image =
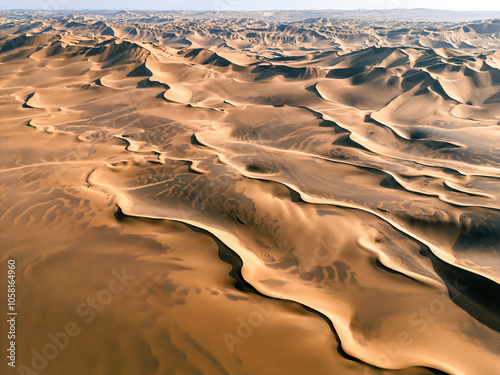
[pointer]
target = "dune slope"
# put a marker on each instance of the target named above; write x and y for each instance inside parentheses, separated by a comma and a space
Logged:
(310, 197)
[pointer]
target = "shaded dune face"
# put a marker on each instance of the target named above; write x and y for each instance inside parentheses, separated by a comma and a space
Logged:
(286, 199)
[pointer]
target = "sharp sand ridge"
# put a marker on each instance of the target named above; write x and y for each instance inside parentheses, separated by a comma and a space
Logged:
(201, 194)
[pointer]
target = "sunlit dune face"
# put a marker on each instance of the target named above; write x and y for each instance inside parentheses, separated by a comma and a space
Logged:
(243, 196)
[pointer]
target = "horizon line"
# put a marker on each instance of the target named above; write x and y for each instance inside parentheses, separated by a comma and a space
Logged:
(244, 10)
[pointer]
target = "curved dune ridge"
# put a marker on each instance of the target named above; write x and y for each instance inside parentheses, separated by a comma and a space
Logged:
(311, 197)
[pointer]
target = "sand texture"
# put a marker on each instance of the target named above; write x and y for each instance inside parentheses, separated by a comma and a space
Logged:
(248, 196)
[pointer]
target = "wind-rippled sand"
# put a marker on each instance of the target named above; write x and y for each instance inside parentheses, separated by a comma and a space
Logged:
(314, 197)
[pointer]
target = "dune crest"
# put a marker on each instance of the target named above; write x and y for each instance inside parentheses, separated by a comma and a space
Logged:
(315, 196)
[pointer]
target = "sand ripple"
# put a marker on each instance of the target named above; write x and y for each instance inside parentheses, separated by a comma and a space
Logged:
(347, 181)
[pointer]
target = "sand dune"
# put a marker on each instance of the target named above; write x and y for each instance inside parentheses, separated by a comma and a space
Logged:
(317, 196)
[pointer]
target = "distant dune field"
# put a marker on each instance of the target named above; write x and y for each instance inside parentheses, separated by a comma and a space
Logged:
(263, 194)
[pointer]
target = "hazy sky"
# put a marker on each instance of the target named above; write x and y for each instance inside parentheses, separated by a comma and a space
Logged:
(250, 4)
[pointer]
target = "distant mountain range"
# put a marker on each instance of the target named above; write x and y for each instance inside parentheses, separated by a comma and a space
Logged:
(416, 15)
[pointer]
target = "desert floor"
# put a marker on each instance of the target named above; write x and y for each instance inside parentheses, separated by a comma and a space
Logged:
(193, 195)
